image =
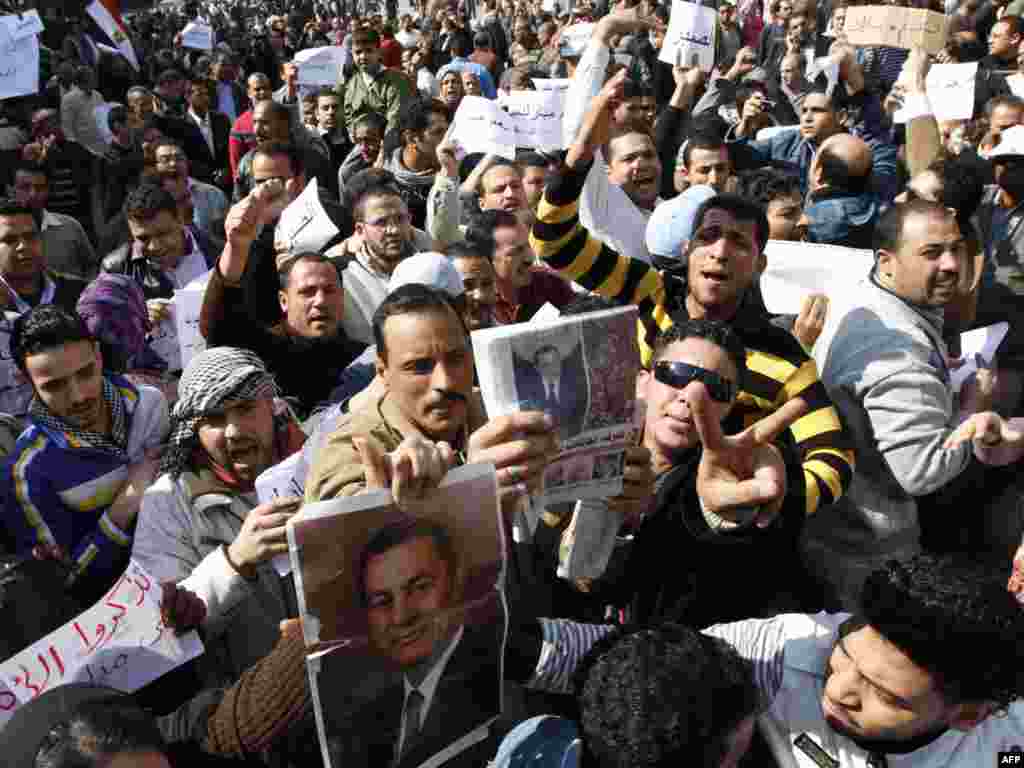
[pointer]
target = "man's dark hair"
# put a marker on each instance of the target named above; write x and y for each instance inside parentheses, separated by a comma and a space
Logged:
(836, 100)
(282, 149)
(401, 532)
(366, 34)
(203, 81)
(837, 173)
(588, 302)
(326, 92)
(169, 76)
(361, 182)
(460, 44)
(385, 189)
(10, 207)
(147, 200)
(962, 189)
(764, 185)
(635, 89)
(277, 111)
(501, 162)
(284, 272)
(719, 334)
(662, 696)
(117, 116)
(96, 731)
(955, 619)
(413, 298)
(482, 40)
(532, 160)
(372, 120)
(415, 116)
(168, 141)
(889, 229)
(741, 210)
(480, 231)
(706, 140)
(30, 167)
(464, 249)
(1008, 100)
(45, 327)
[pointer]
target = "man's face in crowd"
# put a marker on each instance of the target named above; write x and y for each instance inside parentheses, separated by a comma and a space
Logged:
(171, 162)
(408, 587)
(874, 691)
(785, 9)
(784, 218)
(512, 255)
(224, 71)
(533, 185)
(470, 83)
(69, 381)
(426, 141)
(723, 258)
(368, 138)
(161, 239)
(709, 166)
(428, 370)
(365, 53)
(313, 303)
(795, 32)
(386, 229)
(818, 120)
(141, 105)
(259, 88)
(267, 168)
(327, 108)
(1005, 116)
(790, 71)
(21, 250)
(635, 167)
(151, 137)
(266, 125)
(46, 125)
(451, 89)
(31, 189)
(519, 80)
(669, 428)
(926, 268)
(726, 15)
(502, 188)
(481, 294)
(199, 98)
(1002, 43)
(637, 112)
(240, 438)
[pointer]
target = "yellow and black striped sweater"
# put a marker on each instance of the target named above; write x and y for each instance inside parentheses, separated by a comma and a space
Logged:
(778, 369)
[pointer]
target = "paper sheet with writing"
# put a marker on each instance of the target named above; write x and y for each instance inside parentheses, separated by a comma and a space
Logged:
(582, 371)
(797, 269)
(980, 341)
(321, 66)
(573, 40)
(895, 26)
(276, 482)
(950, 89)
(19, 55)
(121, 642)
(537, 118)
(690, 39)
(480, 125)
(304, 225)
(551, 83)
(197, 35)
(188, 303)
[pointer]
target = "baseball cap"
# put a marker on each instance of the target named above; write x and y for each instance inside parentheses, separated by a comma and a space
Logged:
(671, 224)
(428, 268)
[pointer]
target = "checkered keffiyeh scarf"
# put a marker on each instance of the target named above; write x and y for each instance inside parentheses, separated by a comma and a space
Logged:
(214, 380)
(116, 443)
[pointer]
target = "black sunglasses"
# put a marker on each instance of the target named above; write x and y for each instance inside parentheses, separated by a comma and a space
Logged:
(678, 375)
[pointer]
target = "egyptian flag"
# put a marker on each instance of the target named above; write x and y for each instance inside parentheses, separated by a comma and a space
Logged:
(107, 15)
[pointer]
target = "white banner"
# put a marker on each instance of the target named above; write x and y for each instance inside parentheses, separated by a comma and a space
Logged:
(321, 66)
(197, 35)
(690, 39)
(797, 269)
(19, 55)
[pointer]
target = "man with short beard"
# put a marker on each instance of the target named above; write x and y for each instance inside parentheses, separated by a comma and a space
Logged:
(328, 121)
(422, 125)
(307, 351)
(77, 473)
(199, 203)
(199, 522)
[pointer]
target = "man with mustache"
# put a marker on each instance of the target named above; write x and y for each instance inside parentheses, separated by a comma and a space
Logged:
(883, 359)
(307, 351)
(200, 203)
(77, 474)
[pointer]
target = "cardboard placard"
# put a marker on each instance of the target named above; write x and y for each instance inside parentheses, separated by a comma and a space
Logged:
(895, 26)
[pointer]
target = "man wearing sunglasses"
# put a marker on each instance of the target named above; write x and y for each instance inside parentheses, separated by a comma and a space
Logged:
(724, 257)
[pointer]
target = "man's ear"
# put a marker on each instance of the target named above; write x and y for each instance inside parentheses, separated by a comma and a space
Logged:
(380, 364)
(968, 716)
(884, 259)
(643, 379)
(282, 300)
(761, 262)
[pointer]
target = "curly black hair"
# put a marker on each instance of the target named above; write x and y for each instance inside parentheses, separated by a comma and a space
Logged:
(662, 696)
(956, 620)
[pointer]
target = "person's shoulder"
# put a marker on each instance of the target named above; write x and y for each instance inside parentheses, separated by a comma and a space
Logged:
(117, 260)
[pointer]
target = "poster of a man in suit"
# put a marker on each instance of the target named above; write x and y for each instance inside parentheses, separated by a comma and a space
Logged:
(555, 382)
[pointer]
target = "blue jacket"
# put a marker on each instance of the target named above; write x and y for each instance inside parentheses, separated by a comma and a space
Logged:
(842, 218)
(59, 492)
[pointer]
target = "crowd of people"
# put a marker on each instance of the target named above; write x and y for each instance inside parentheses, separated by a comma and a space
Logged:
(816, 556)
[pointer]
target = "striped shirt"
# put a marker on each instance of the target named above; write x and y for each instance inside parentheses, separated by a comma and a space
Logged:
(777, 368)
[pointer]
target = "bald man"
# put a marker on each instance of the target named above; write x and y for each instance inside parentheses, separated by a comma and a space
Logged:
(842, 207)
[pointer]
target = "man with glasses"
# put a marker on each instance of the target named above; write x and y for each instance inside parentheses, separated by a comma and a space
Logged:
(202, 204)
(25, 283)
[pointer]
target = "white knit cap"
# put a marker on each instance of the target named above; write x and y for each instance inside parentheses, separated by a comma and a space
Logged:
(428, 268)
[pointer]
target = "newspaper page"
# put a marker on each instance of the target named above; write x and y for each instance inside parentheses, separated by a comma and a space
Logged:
(580, 369)
(393, 600)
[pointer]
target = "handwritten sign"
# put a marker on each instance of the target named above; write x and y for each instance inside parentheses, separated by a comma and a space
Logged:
(321, 66)
(980, 341)
(481, 125)
(304, 226)
(551, 83)
(573, 40)
(279, 481)
(188, 304)
(19, 57)
(537, 118)
(690, 39)
(197, 35)
(121, 642)
(950, 89)
(895, 26)
(797, 269)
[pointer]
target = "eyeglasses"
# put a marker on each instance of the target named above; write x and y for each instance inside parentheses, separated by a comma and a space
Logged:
(678, 375)
(170, 159)
(390, 222)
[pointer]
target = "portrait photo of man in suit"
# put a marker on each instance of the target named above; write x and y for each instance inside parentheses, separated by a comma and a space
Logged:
(556, 383)
(445, 655)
